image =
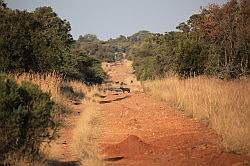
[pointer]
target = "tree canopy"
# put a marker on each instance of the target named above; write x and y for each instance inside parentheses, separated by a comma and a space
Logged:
(40, 41)
(213, 42)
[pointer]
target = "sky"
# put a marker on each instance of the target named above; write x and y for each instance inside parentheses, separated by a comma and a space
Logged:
(111, 18)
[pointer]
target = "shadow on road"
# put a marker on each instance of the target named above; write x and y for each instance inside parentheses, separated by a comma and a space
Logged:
(109, 101)
(121, 98)
(60, 163)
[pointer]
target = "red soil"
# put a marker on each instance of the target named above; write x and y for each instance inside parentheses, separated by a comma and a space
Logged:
(131, 146)
(146, 131)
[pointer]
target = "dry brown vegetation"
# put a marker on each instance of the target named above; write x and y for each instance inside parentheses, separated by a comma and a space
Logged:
(224, 105)
(86, 133)
(52, 82)
(48, 83)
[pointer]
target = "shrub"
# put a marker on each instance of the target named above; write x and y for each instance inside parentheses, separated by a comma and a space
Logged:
(26, 119)
(40, 42)
(191, 58)
(84, 68)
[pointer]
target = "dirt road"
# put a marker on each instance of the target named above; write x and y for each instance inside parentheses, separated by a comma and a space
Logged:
(144, 131)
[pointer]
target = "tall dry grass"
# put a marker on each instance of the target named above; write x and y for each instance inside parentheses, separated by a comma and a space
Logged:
(91, 92)
(48, 83)
(87, 134)
(52, 82)
(225, 105)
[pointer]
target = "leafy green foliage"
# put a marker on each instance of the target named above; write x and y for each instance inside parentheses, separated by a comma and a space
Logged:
(109, 51)
(191, 58)
(148, 69)
(2, 4)
(40, 41)
(226, 28)
(84, 68)
(33, 41)
(214, 42)
(93, 47)
(26, 118)
(155, 56)
(139, 36)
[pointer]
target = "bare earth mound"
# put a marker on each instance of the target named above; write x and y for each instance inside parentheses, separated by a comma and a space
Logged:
(129, 147)
(142, 131)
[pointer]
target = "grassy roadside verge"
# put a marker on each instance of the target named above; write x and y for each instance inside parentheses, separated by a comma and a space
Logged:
(224, 105)
(87, 134)
(66, 94)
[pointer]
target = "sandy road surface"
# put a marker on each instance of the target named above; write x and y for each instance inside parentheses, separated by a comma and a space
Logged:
(144, 131)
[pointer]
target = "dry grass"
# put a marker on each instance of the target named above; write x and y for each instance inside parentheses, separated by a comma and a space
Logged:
(91, 92)
(48, 83)
(24, 162)
(225, 105)
(87, 134)
(87, 131)
(52, 82)
(79, 86)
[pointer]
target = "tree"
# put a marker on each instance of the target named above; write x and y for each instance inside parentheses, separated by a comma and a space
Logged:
(33, 41)
(88, 38)
(40, 41)
(191, 58)
(226, 27)
(139, 36)
(183, 27)
(3, 4)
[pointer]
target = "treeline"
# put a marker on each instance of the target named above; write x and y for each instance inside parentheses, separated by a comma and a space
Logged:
(214, 42)
(109, 51)
(41, 42)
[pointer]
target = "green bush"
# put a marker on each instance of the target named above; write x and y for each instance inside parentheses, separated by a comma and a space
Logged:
(148, 69)
(191, 58)
(26, 119)
(41, 42)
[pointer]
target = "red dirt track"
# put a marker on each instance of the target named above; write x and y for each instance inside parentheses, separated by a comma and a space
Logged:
(145, 131)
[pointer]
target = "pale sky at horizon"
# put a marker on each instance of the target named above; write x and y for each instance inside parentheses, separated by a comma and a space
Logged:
(111, 18)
